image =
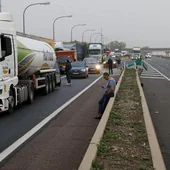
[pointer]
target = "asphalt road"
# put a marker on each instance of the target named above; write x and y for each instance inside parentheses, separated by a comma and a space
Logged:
(63, 142)
(13, 126)
(157, 93)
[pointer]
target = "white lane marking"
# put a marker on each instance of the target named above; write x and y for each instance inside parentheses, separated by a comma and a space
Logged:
(35, 129)
(158, 71)
(153, 75)
(144, 77)
(63, 77)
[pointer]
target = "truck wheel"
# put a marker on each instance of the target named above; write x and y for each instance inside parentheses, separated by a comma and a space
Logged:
(50, 84)
(11, 102)
(46, 88)
(31, 94)
(53, 83)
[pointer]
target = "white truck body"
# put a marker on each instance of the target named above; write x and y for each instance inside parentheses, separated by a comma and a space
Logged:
(34, 55)
(96, 51)
(25, 65)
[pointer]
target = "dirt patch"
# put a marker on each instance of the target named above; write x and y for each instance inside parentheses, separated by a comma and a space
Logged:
(124, 145)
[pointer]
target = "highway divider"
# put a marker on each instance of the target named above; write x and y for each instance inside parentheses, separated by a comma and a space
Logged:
(91, 152)
(142, 134)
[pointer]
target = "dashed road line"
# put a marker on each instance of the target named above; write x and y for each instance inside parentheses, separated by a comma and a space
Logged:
(158, 71)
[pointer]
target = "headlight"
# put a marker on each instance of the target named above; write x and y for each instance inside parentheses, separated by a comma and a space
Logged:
(83, 69)
(98, 67)
(104, 62)
(114, 62)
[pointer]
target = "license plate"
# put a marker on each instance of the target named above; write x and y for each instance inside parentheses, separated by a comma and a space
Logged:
(75, 73)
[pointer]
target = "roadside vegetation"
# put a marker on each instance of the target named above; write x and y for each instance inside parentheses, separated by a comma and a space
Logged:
(124, 145)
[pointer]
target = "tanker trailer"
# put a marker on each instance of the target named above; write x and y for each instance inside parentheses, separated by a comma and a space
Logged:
(26, 65)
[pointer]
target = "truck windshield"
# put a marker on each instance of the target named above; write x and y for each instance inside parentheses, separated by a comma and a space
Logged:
(63, 59)
(96, 52)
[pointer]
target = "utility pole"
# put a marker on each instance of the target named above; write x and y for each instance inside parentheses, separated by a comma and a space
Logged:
(101, 36)
(0, 5)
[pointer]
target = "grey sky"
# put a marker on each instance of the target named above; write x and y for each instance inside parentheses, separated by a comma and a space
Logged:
(137, 22)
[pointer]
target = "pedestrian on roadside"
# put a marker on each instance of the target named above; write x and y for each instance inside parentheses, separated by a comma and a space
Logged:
(109, 92)
(68, 72)
(110, 65)
(118, 63)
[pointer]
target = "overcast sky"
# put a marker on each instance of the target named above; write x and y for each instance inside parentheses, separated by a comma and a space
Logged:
(136, 22)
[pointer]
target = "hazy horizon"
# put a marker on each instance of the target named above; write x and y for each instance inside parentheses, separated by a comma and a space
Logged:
(137, 23)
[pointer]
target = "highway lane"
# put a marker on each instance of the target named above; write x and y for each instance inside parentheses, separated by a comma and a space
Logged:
(61, 144)
(25, 117)
(157, 93)
(163, 65)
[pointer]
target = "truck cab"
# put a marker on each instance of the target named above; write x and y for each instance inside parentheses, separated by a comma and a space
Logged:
(26, 65)
(8, 60)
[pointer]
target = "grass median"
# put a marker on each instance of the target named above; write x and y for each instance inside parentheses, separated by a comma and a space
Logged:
(124, 145)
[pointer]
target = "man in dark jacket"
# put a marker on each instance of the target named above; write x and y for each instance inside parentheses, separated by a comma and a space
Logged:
(68, 72)
(110, 65)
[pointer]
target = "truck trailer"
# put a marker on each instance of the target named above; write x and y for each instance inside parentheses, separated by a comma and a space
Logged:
(26, 65)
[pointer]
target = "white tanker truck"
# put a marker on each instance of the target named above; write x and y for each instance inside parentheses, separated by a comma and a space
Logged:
(25, 66)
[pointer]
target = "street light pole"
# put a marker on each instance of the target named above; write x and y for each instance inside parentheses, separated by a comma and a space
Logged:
(101, 35)
(92, 35)
(68, 16)
(97, 38)
(84, 33)
(73, 28)
(45, 3)
(0, 6)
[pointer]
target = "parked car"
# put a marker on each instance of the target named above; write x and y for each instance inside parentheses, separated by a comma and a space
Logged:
(105, 63)
(147, 56)
(93, 65)
(79, 69)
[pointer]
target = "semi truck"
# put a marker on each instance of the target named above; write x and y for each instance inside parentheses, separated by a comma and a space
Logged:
(136, 53)
(26, 65)
(96, 50)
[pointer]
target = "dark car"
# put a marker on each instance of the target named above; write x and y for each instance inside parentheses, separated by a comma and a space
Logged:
(105, 63)
(79, 70)
(93, 65)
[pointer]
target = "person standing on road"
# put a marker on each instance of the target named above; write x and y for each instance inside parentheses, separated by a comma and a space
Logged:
(68, 72)
(110, 65)
(109, 92)
(118, 63)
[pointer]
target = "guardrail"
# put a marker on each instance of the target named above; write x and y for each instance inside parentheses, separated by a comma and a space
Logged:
(135, 64)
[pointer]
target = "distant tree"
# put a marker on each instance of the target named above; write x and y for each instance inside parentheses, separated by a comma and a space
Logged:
(117, 45)
(85, 49)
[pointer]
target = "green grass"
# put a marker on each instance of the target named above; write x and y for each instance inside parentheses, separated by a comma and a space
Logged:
(124, 145)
